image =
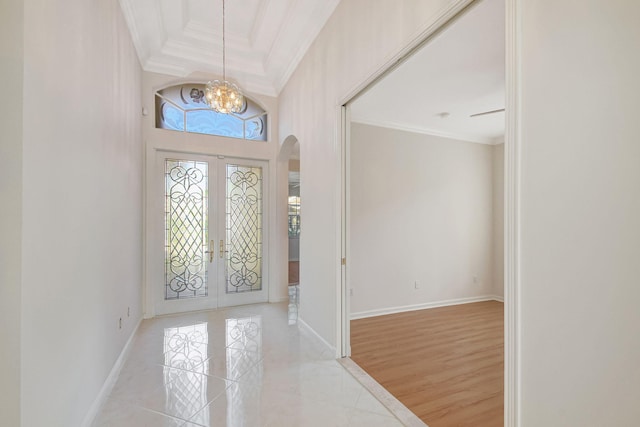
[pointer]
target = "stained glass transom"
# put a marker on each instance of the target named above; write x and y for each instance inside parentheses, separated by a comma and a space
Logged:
(185, 229)
(243, 228)
(182, 108)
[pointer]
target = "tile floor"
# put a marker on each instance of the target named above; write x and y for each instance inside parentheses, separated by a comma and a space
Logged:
(241, 367)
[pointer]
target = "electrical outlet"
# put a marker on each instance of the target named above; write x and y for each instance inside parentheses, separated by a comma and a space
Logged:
(416, 285)
(120, 323)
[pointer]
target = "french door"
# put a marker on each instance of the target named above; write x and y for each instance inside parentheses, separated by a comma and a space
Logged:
(213, 249)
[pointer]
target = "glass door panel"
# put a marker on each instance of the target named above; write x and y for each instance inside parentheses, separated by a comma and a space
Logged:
(186, 233)
(244, 274)
(243, 229)
(208, 200)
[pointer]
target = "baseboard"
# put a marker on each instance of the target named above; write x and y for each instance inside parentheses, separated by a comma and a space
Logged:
(423, 306)
(498, 298)
(278, 299)
(110, 381)
(305, 326)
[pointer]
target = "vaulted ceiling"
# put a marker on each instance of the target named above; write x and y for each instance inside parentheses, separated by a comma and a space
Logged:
(265, 39)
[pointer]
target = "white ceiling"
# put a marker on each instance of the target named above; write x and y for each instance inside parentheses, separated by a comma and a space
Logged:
(265, 39)
(460, 72)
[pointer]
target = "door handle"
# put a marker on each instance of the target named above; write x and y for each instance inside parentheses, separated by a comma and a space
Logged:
(222, 251)
(210, 251)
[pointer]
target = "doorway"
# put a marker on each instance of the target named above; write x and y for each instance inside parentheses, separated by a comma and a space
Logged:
(293, 230)
(293, 215)
(211, 216)
(425, 179)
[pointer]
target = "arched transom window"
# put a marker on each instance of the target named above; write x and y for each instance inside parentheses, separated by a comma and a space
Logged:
(182, 108)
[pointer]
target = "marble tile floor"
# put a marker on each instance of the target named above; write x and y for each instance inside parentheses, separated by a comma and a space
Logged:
(238, 367)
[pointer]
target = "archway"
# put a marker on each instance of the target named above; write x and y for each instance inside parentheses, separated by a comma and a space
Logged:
(289, 223)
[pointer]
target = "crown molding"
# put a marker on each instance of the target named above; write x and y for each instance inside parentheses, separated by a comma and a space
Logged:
(324, 9)
(427, 131)
(129, 17)
(262, 56)
(162, 67)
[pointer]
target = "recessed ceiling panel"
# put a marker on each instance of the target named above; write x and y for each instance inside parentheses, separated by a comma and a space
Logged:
(265, 39)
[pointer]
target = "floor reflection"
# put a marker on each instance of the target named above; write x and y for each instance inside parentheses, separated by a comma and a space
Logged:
(294, 301)
(235, 367)
(185, 350)
(244, 357)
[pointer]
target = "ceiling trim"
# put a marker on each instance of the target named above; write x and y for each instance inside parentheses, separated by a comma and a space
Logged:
(129, 17)
(155, 66)
(431, 132)
(325, 8)
(262, 56)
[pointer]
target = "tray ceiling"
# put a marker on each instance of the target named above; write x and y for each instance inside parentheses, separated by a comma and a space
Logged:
(265, 39)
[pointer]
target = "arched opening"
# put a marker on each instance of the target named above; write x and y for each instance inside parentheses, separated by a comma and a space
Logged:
(290, 206)
(182, 108)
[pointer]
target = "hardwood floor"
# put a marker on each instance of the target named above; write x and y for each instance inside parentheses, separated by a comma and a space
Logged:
(444, 364)
(294, 273)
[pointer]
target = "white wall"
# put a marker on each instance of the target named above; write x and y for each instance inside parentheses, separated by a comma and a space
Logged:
(11, 59)
(358, 41)
(421, 210)
(498, 220)
(82, 204)
(580, 206)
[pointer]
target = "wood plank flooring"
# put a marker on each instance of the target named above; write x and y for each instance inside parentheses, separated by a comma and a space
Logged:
(445, 364)
(294, 272)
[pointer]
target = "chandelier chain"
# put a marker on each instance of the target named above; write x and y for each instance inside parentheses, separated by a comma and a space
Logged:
(224, 49)
(222, 96)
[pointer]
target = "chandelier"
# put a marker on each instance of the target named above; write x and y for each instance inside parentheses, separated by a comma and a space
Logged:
(222, 96)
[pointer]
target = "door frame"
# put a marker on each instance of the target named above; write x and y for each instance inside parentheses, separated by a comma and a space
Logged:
(513, 143)
(153, 240)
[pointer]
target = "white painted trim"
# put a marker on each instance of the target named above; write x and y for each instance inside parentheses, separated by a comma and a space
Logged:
(340, 130)
(512, 215)
(497, 298)
(324, 8)
(276, 300)
(129, 16)
(345, 297)
(401, 412)
(305, 327)
(423, 306)
(432, 132)
(105, 391)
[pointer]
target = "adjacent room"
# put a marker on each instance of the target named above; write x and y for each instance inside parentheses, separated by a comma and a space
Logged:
(426, 179)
